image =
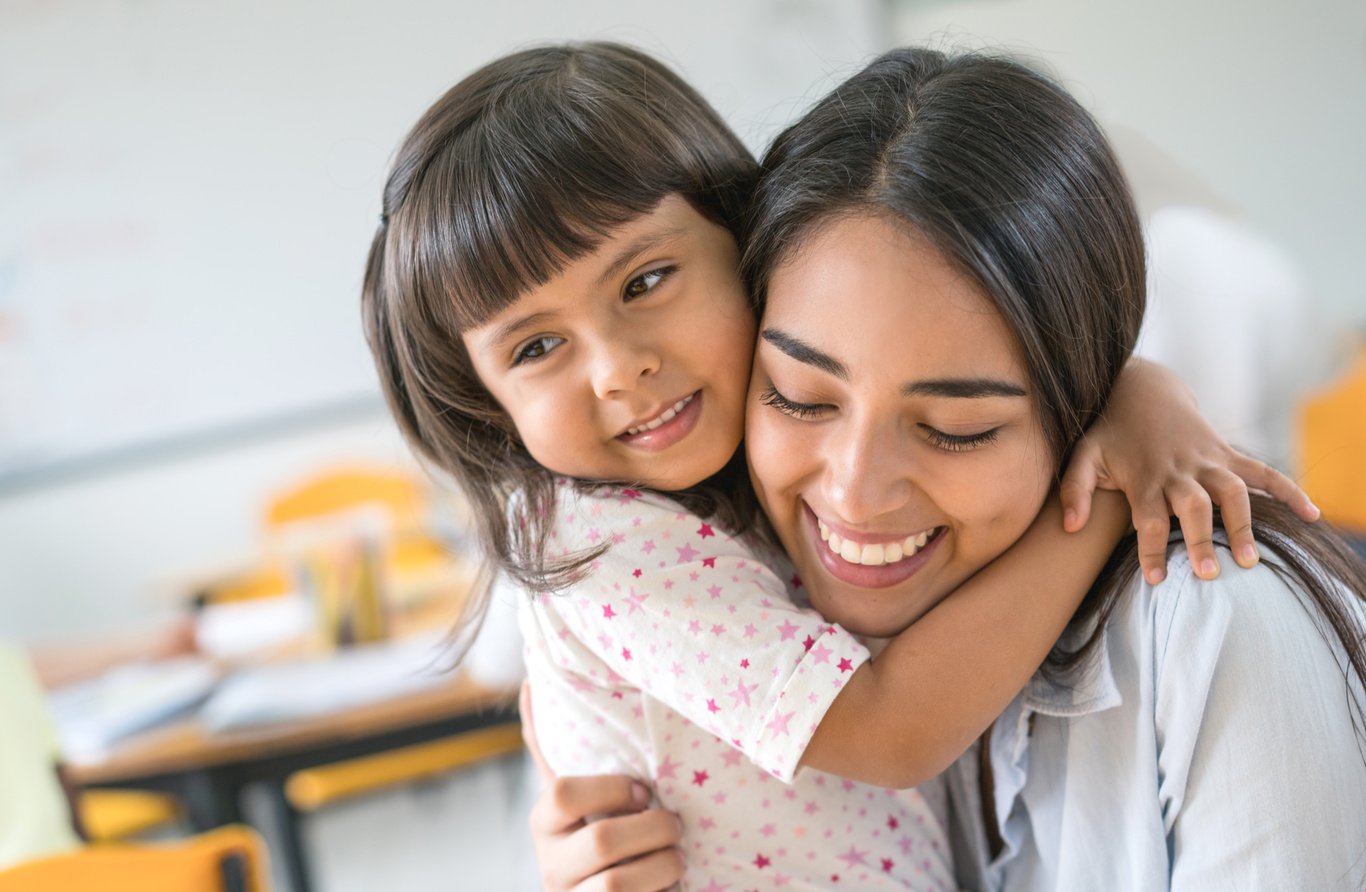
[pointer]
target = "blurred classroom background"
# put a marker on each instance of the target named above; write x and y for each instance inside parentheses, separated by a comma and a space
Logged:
(187, 407)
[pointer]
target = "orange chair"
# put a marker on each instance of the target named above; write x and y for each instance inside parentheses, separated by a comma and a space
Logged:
(1332, 449)
(229, 859)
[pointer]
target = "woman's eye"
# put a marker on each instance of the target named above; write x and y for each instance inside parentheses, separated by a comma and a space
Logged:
(771, 397)
(645, 282)
(959, 442)
(535, 349)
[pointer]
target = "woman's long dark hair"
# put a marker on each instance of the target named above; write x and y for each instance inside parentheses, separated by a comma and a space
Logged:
(1015, 184)
(518, 170)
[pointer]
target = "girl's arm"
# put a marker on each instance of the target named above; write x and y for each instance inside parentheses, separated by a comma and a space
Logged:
(904, 716)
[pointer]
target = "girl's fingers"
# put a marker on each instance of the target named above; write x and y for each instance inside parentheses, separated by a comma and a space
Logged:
(1194, 508)
(1152, 522)
(1260, 475)
(529, 735)
(604, 844)
(655, 872)
(1078, 482)
(1230, 493)
(568, 801)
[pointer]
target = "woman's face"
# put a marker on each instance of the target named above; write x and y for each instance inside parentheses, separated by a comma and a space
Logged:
(892, 435)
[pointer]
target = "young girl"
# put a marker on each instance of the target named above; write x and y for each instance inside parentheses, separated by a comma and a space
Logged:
(554, 307)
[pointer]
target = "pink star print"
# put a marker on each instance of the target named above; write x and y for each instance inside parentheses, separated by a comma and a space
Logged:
(608, 612)
(892, 822)
(853, 857)
(700, 777)
(779, 723)
(625, 653)
(845, 665)
(686, 553)
(709, 562)
(742, 692)
(788, 630)
(821, 654)
(761, 862)
(666, 769)
(704, 531)
(712, 707)
(887, 865)
(808, 642)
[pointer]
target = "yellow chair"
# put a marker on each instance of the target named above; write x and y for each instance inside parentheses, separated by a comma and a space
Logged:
(1332, 449)
(113, 815)
(312, 788)
(229, 859)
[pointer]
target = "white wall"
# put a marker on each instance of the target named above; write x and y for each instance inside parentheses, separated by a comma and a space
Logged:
(1263, 100)
(250, 142)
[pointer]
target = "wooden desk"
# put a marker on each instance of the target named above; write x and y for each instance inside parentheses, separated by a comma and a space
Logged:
(209, 771)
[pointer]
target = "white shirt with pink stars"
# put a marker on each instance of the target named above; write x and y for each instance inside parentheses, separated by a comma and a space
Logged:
(682, 659)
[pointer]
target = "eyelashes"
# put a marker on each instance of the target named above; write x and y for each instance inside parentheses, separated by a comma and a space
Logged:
(959, 442)
(771, 397)
(937, 438)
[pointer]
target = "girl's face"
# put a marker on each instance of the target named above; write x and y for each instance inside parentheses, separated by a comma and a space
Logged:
(631, 364)
(892, 435)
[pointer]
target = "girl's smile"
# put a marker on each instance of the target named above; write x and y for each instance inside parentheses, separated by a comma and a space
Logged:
(631, 363)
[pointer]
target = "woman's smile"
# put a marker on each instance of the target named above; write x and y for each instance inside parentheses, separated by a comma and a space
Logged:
(893, 463)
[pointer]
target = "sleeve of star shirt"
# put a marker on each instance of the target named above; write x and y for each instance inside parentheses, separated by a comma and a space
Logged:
(678, 609)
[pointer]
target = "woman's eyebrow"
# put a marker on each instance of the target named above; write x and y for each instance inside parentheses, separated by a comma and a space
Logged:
(963, 388)
(805, 353)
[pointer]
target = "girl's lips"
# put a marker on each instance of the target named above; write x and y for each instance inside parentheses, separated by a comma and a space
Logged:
(865, 576)
(671, 431)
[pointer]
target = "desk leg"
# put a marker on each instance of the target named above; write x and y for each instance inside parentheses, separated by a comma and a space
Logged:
(211, 801)
(286, 822)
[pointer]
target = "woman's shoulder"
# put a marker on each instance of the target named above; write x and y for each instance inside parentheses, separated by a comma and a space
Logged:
(1259, 620)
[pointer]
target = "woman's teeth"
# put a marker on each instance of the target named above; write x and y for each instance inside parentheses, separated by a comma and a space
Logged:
(666, 416)
(873, 555)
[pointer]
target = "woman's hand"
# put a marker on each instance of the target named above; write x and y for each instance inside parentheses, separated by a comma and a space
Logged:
(626, 847)
(1155, 447)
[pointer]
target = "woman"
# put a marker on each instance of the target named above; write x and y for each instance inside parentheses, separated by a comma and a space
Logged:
(953, 275)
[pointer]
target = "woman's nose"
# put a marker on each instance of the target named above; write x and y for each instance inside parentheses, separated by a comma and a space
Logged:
(869, 472)
(619, 363)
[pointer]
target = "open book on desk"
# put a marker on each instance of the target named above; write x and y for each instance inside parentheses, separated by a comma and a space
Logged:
(93, 716)
(350, 677)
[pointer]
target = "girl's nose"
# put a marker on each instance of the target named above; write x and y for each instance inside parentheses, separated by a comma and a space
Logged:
(620, 364)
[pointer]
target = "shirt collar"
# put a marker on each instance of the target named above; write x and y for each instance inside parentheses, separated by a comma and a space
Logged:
(1087, 689)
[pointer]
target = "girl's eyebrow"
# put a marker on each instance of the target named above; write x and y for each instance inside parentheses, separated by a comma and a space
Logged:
(951, 388)
(515, 326)
(635, 248)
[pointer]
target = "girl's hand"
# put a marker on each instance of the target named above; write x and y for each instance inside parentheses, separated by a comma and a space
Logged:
(1155, 447)
(632, 848)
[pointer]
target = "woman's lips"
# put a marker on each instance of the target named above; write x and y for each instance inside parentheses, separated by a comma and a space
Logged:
(670, 428)
(883, 569)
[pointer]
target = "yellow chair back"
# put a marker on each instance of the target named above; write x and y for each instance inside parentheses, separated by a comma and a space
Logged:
(229, 859)
(1332, 449)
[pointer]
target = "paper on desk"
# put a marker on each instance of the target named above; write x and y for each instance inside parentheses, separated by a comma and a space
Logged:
(353, 676)
(92, 716)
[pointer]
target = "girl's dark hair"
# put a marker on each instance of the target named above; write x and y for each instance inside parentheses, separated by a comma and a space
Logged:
(519, 169)
(1015, 184)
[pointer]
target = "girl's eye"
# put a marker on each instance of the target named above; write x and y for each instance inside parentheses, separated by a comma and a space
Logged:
(535, 349)
(959, 442)
(644, 283)
(771, 397)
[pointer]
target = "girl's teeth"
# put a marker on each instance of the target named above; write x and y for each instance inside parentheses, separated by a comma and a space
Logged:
(872, 555)
(666, 417)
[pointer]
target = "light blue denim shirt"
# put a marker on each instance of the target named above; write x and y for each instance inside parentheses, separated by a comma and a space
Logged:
(1210, 746)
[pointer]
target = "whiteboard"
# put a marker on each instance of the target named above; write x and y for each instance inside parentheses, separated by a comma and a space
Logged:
(188, 190)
